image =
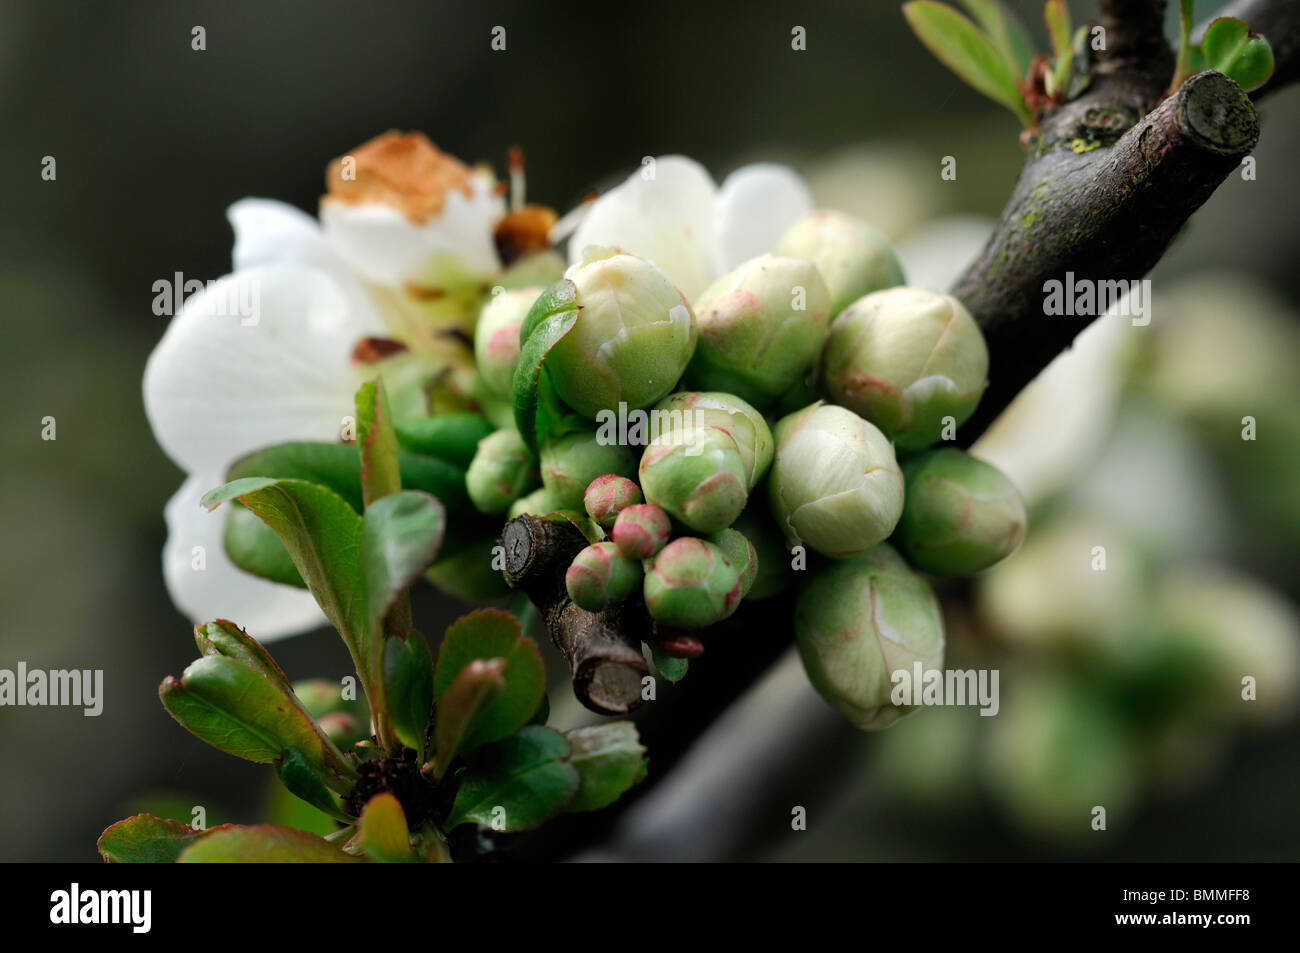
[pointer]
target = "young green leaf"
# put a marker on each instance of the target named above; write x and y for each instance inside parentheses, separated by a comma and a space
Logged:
(1242, 56)
(960, 46)
(610, 759)
(384, 834)
(377, 441)
(517, 783)
(254, 548)
(322, 535)
(304, 781)
(223, 637)
(236, 844)
(400, 537)
(452, 437)
(493, 634)
(145, 839)
(238, 711)
(408, 687)
(462, 705)
(1057, 17)
(537, 409)
(1007, 36)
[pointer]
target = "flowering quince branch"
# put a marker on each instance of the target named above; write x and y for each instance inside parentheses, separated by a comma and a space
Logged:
(791, 390)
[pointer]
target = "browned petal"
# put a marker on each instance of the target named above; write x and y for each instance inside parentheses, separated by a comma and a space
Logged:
(404, 170)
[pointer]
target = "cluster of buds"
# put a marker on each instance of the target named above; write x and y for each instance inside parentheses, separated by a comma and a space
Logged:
(815, 369)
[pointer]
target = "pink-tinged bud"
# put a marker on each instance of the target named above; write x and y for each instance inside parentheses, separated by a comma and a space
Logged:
(640, 531)
(692, 584)
(601, 576)
(609, 495)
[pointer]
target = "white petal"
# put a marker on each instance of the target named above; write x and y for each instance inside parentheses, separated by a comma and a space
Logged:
(216, 387)
(386, 247)
(219, 590)
(267, 231)
(757, 204)
(663, 213)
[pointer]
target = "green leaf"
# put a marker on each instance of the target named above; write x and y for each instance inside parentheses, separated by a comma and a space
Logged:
(610, 759)
(517, 783)
(322, 535)
(254, 548)
(298, 775)
(960, 46)
(452, 437)
(1230, 48)
(1007, 36)
(384, 833)
(462, 706)
(238, 711)
(377, 441)
(145, 839)
(238, 844)
(1057, 17)
(408, 686)
(493, 634)
(223, 637)
(669, 666)
(400, 537)
(335, 465)
(538, 410)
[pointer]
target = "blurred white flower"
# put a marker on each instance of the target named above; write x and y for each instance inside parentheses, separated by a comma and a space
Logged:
(672, 213)
(221, 384)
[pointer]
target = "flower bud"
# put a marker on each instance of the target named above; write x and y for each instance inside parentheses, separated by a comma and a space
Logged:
(761, 329)
(501, 471)
(835, 484)
(571, 462)
(709, 452)
(691, 584)
(905, 359)
(960, 514)
(607, 496)
(740, 553)
(632, 339)
(600, 576)
(496, 337)
(538, 503)
(641, 531)
(852, 257)
(859, 621)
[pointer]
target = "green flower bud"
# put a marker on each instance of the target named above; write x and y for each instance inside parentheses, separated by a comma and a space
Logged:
(641, 531)
(691, 584)
(960, 514)
(905, 359)
(835, 484)
(538, 503)
(571, 462)
(852, 257)
(600, 576)
(609, 495)
(496, 337)
(859, 621)
(502, 470)
(761, 329)
(740, 553)
(710, 451)
(632, 339)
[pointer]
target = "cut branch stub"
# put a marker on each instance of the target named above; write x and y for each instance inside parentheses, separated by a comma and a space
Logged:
(603, 649)
(1100, 206)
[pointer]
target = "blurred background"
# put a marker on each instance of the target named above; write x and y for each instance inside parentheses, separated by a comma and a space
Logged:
(1119, 688)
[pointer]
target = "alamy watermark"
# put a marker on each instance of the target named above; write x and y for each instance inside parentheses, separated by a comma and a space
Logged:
(637, 428)
(1087, 298)
(56, 688)
(920, 686)
(237, 297)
